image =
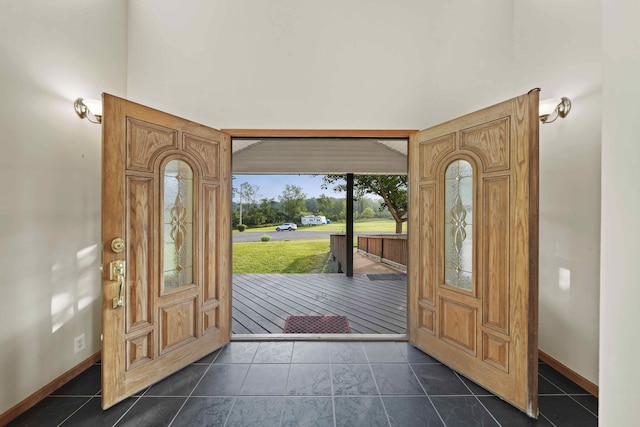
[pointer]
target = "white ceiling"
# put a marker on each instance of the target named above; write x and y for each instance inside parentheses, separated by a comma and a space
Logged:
(319, 156)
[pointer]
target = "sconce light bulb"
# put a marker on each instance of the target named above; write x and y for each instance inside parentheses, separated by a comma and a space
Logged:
(91, 109)
(551, 109)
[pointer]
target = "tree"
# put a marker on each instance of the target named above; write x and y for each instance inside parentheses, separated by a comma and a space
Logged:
(325, 205)
(367, 213)
(392, 189)
(268, 208)
(292, 201)
(247, 193)
(312, 205)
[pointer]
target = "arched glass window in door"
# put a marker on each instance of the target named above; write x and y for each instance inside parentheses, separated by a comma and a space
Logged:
(458, 236)
(177, 225)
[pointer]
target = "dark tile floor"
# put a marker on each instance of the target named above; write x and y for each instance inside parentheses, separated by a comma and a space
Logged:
(312, 384)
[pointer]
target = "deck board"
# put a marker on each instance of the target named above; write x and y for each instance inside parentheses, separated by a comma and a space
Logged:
(355, 309)
(340, 292)
(370, 294)
(262, 302)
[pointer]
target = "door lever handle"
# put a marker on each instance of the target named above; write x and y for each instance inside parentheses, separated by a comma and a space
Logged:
(117, 272)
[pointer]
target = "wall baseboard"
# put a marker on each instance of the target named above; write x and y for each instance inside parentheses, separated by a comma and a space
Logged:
(45, 391)
(569, 373)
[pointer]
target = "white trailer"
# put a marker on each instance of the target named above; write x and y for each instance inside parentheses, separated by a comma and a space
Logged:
(314, 220)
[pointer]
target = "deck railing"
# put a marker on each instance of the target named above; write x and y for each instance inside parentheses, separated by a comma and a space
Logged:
(338, 247)
(390, 249)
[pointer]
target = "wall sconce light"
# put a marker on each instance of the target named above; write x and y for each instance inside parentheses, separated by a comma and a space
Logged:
(91, 109)
(551, 109)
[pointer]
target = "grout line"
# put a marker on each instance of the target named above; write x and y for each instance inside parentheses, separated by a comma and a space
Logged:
(427, 394)
(286, 386)
(235, 398)
(564, 393)
(578, 402)
(254, 357)
(233, 404)
(546, 418)
(80, 407)
(66, 396)
(570, 396)
(191, 393)
(222, 396)
(476, 397)
(375, 382)
(333, 396)
(129, 409)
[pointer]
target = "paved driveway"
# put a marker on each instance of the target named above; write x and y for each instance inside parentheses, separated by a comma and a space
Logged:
(281, 235)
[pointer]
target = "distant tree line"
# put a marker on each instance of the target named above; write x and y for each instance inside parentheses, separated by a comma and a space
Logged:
(251, 210)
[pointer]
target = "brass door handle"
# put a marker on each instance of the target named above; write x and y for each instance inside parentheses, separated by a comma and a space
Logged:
(117, 272)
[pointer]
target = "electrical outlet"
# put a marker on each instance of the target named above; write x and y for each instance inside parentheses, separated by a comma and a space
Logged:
(79, 343)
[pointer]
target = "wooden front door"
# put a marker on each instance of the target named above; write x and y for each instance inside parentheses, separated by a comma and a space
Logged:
(473, 247)
(166, 234)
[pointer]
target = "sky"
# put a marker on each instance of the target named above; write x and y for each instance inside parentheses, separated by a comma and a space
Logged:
(272, 186)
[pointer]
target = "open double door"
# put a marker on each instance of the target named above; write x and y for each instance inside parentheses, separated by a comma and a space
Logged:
(166, 232)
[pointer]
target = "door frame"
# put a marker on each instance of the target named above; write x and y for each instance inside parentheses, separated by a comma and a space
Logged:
(321, 133)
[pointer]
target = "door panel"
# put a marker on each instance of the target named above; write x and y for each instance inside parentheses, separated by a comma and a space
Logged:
(473, 247)
(166, 192)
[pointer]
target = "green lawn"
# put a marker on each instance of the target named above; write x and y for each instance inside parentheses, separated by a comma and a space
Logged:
(296, 256)
(281, 256)
(376, 225)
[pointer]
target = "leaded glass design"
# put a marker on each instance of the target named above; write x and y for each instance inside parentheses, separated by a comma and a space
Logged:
(178, 225)
(458, 236)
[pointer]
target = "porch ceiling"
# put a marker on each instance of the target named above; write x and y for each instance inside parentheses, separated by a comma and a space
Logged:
(319, 156)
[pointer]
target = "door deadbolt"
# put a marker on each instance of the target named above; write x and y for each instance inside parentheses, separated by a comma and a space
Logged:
(117, 245)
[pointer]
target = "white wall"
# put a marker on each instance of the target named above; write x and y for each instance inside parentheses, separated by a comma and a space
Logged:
(558, 48)
(51, 53)
(329, 64)
(620, 293)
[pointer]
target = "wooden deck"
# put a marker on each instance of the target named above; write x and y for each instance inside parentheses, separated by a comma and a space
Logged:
(262, 302)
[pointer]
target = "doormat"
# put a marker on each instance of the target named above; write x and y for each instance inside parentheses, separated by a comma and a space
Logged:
(317, 325)
(384, 276)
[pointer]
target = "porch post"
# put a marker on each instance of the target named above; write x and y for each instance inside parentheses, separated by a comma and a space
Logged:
(349, 248)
